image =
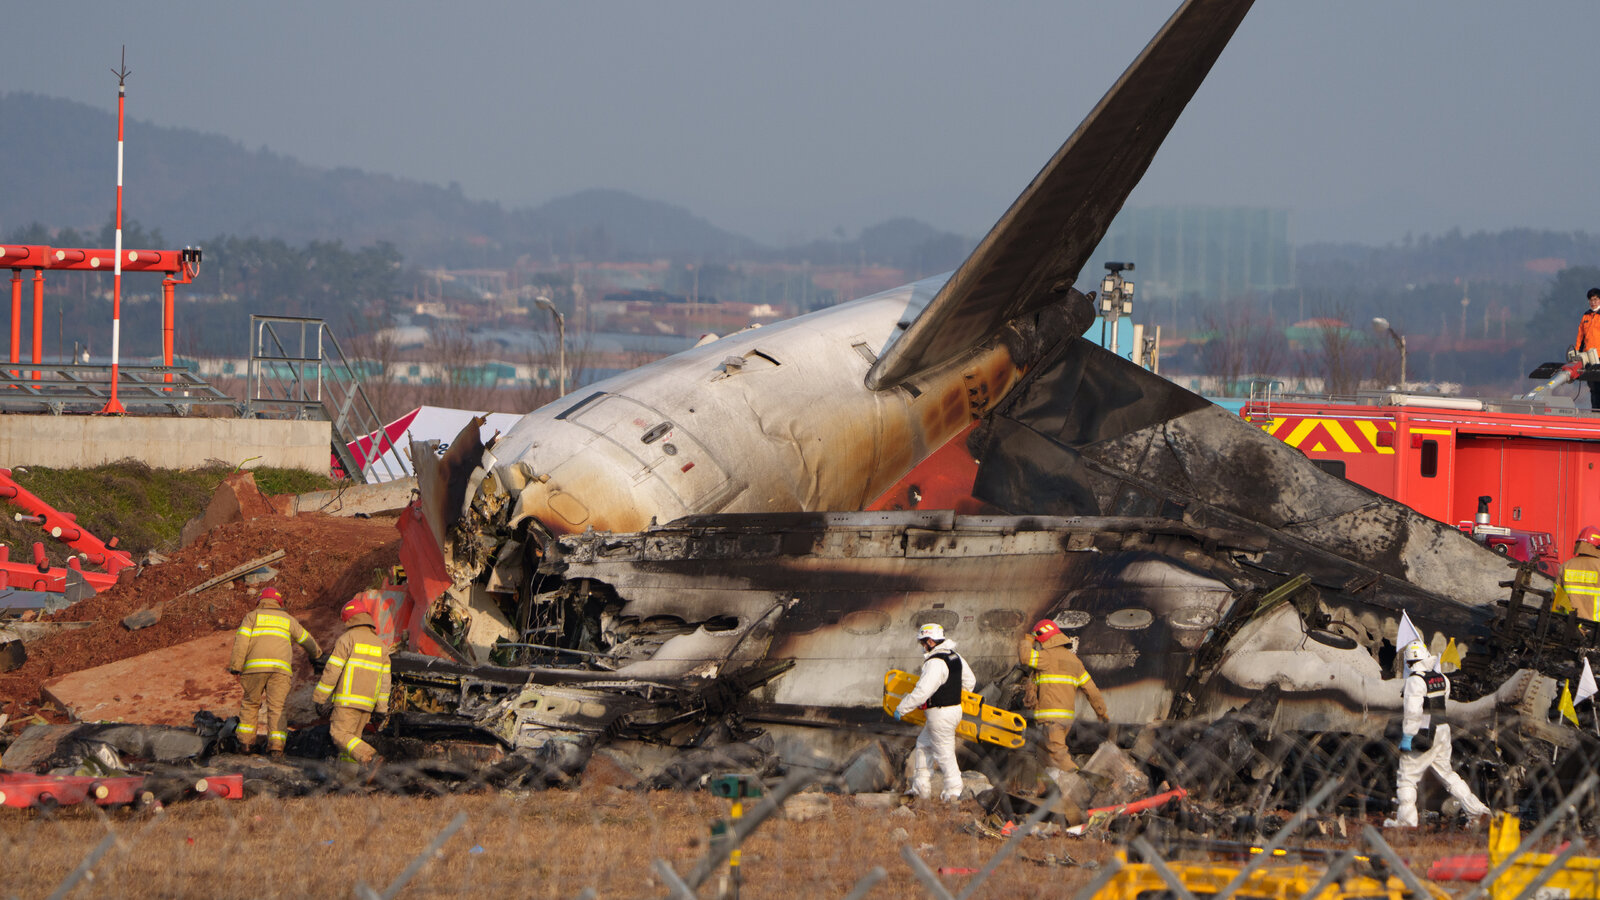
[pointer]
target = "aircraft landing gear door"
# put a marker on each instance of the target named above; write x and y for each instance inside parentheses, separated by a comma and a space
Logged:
(665, 451)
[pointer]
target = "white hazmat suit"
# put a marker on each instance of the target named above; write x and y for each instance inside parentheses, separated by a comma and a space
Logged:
(938, 737)
(1422, 695)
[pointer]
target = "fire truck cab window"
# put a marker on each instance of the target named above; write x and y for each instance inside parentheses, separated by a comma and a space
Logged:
(1430, 459)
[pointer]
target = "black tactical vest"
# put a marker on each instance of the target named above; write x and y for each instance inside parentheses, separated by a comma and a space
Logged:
(1437, 689)
(949, 693)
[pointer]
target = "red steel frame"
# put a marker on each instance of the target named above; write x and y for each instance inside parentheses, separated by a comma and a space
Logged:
(39, 575)
(180, 267)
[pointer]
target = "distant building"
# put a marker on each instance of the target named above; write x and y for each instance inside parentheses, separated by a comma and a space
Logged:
(1212, 252)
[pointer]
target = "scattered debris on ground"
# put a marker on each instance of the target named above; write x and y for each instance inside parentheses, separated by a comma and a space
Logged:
(325, 561)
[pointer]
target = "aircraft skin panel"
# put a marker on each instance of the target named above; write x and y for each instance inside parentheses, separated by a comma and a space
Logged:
(1036, 250)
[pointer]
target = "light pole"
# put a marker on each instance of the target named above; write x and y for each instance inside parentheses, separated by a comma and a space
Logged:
(1380, 325)
(1116, 297)
(561, 338)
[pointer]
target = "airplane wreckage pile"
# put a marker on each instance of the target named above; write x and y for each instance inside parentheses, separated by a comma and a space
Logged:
(711, 562)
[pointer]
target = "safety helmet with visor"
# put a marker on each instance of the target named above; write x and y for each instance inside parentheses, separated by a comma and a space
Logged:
(932, 631)
(1416, 652)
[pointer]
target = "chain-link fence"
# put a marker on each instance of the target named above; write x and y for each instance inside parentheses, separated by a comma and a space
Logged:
(1281, 815)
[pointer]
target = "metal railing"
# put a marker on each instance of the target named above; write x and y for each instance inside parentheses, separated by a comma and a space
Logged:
(61, 388)
(297, 369)
(1259, 407)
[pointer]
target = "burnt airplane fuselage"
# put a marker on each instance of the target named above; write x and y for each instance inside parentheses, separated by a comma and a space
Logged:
(1199, 559)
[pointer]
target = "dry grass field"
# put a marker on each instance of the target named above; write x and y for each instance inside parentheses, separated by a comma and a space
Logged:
(551, 844)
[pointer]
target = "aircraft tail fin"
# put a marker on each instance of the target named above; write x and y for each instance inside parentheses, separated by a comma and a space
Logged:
(1030, 257)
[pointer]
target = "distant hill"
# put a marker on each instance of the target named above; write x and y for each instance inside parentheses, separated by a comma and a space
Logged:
(195, 186)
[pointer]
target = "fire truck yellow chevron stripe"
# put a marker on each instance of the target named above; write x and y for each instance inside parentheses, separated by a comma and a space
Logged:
(1332, 427)
(1324, 435)
(1369, 428)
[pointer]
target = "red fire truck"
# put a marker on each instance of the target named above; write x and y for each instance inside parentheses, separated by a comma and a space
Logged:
(1520, 476)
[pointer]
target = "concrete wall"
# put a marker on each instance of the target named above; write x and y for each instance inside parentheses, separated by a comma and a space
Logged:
(75, 442)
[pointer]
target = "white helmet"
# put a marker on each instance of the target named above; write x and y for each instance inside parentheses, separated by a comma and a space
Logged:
(1416, 652)
(932, 631)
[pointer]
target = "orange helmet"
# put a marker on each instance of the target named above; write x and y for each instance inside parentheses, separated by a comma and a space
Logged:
(271, 593)
(1589, 534)
(1045, 629)
(356, 607)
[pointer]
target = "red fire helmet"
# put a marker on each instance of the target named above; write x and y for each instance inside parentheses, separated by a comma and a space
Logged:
(1045, 629)
(355, 607)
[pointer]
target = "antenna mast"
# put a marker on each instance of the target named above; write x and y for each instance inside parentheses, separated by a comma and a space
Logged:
(113, 407)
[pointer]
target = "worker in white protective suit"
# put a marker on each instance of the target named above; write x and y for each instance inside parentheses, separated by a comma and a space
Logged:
(1424, 742)
(944, 676)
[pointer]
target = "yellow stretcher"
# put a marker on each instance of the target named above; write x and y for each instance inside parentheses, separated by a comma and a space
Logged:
(980, 722)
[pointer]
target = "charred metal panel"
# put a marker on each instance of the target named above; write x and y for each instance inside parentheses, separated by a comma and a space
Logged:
(1143, 596)
(1089, 432)
(444, 484)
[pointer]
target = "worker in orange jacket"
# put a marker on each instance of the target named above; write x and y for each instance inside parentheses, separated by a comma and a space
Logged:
(1053, 691)
(1589, 339)
(263, 658)
(355, 683)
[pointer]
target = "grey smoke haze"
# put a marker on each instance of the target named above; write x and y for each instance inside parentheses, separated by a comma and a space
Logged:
(1368, 119)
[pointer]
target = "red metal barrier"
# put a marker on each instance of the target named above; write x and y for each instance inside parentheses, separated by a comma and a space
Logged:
(39, 576)
(64, 527)
(226, 787)
(23, 790)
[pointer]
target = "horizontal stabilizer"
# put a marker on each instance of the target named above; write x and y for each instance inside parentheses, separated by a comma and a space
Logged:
(1030, 257)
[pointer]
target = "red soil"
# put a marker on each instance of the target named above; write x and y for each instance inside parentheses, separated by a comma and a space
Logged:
(326, 561)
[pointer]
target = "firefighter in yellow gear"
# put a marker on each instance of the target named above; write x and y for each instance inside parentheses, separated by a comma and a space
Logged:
(1053, 692)
(355, 682)
(1578, 585)
(263, 658)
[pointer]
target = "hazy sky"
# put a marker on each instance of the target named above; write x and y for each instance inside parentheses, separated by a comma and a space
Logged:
(1367, 118)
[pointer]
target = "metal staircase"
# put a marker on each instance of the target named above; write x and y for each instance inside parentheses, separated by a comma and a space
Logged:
(298, 370)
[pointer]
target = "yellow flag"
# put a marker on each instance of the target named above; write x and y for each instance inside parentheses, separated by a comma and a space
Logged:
(1561, 602)
(1566, 707)
(1451, 654)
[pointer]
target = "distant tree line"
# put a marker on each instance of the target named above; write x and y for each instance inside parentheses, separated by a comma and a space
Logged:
(1527, 324)
(238, 276)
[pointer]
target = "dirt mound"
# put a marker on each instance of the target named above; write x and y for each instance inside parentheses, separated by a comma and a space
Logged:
(326, 560)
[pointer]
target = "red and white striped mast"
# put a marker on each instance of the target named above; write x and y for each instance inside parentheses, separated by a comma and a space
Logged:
(113, 407)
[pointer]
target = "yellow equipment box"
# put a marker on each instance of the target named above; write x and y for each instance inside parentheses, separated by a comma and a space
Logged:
(1579, 878)
(1136, 880)
(980, 722)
